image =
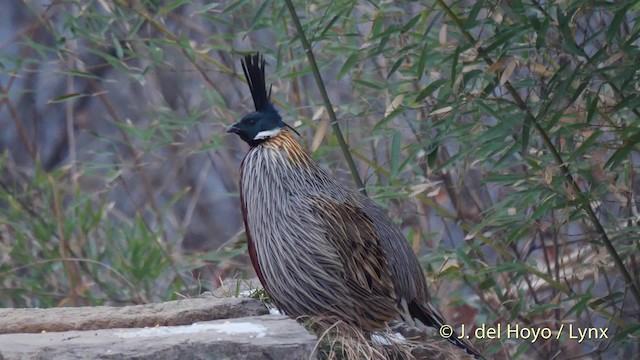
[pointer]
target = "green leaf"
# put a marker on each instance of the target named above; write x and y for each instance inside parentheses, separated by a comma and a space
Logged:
(518, 9)
(490, 87)
(422, 62)
(409, 158)
(614, 27)
(454, 67)
(371, 84)
(66, 97)
(581, 305)
(545, 206)
(473, 14)
(526, 133)
(567, 35)
(258, 15)
(606, 300)
(395, 67)
(591, 109)
(411, 23)
(505, 37)
(79, 73)
(471, 75)
(234, 6)
(388, 118)
(351, 60)
(206, 8)
(376, 28)
(328, 26)
(117, 46)
(394, 157)
(632, 332)
(622, 153)
(505, 267)
(166, 9)
(580, 89)
(427, 91)
(586, 145)
(542, 32)
(432, 154)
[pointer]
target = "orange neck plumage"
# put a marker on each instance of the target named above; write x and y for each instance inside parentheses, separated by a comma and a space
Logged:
(285, 141)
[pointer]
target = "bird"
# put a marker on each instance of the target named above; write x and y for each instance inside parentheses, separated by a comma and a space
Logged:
(319, 247)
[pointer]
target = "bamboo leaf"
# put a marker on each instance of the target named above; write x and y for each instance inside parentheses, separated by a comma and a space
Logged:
(586, 145)
(259, 14)
(427, 91)
(395, 67)
(422, 62)
(351, 60)
(526, 133)
(394, 157)
(66, 97)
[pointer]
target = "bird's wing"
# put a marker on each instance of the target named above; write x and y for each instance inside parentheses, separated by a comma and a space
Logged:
(406, 270)
(353, 241)
(408, 276)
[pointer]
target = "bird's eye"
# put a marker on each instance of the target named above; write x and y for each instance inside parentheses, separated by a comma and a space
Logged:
(252, 122)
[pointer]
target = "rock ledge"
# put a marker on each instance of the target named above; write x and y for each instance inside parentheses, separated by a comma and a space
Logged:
(241, 329)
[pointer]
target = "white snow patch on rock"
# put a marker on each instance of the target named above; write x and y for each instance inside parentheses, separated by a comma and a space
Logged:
(274, 311)
(247, 293)
(387, 338)
(231, 328)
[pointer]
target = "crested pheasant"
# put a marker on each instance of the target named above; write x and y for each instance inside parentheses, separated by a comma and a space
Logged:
(318, 247)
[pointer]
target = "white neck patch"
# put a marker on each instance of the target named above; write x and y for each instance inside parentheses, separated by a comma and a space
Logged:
(267, 134)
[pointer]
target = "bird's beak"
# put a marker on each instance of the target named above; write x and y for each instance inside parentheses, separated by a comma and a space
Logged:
(233, 128)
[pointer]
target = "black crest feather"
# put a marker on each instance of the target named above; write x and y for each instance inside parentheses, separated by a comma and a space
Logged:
(253, 67)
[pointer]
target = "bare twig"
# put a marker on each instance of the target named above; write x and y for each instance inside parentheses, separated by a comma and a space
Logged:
(327, 102)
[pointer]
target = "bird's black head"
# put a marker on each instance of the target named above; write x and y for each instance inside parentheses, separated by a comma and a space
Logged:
(258, 126)
(265, 122)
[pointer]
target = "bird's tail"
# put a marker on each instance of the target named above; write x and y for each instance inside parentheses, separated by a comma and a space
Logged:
(429, 316)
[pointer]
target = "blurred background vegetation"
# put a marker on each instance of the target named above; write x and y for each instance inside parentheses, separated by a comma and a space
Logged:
(504, 137)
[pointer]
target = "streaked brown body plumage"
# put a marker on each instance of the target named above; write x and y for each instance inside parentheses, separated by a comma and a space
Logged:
(321, 248)
(312, 233)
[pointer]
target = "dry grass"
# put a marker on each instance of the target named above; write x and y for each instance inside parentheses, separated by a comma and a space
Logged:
(339, 340)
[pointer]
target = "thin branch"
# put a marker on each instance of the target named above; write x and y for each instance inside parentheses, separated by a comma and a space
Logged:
(70, 268)
(327, 102)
